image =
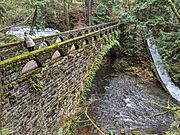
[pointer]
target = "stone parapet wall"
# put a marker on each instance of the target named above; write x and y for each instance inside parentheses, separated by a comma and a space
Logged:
(13, 49)
(39, 89)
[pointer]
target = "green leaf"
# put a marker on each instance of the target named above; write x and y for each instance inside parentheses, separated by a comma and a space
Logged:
(60, 131)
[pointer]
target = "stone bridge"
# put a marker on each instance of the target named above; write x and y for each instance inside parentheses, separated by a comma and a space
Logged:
(39, 90)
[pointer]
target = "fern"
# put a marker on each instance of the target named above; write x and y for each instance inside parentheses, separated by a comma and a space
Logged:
(2, 11)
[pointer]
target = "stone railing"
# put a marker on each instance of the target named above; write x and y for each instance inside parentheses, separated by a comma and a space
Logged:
(40, 88)
(12, 49)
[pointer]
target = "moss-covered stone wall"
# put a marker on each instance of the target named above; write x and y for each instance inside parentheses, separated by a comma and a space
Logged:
(38, 100)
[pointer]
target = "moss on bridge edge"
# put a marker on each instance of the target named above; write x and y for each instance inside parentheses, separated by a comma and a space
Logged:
(96, 64)
(31, 55)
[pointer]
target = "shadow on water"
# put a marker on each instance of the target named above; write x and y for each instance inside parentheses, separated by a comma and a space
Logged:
(124, 104)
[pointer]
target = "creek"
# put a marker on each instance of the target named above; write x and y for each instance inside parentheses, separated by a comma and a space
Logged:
(123, 104)
(18, 31)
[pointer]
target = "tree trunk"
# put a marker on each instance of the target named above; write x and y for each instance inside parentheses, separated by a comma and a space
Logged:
(89, 12)
(66, 13)
(33, 21)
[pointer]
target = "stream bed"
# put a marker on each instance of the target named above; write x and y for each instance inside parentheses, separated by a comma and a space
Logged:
(124, 104)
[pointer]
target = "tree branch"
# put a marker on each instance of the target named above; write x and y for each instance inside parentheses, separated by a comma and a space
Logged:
(102, 133)
(168, 108)
(173, 7)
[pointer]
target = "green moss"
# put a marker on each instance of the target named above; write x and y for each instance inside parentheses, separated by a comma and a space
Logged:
(137, 133)
(5, 95)
(15, 60)
(28, 75)
(36, 82)
(11, 44)
(3, 98)
(21, 41)
(8, 87)
(6, 131)
(106, 38)
(99, 39)
(117, 32)
(95, 67)
(87, 47)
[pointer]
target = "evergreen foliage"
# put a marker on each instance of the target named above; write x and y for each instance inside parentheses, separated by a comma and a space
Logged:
(101, 13)
(2, 11)
(21, 12)
(161, 19)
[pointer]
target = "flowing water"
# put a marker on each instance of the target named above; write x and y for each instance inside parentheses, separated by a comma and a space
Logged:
(161, 70)
(18, 31)
(124, 104)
